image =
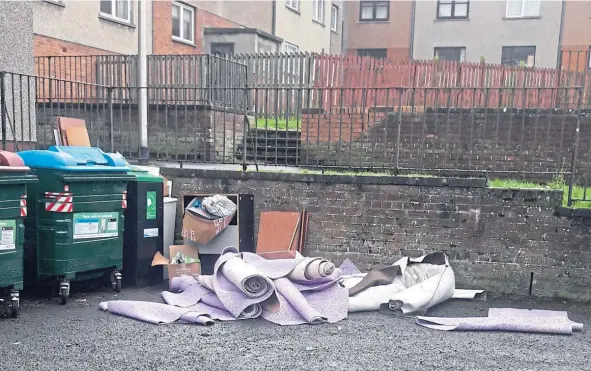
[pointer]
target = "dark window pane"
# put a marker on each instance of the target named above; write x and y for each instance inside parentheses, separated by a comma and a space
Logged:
(445, 10)
(176, 21)
(187, 25)
(222, 48)
(461, 10)
(122, 9)
(450, 54)
(106, 6)
(518, 55)
(366, 11)
(382, 11)
(374, 53)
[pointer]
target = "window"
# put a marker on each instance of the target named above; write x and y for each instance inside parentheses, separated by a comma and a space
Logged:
(334, 18)
(293, 4)
(456, 53)
(183, 18)
(589, 58)
(222, 48)
(318, 10)
(523, 8)
(290, 48)
(524, 56)
(374, 10)
(451, 9)
(374, 53)
(116, 9)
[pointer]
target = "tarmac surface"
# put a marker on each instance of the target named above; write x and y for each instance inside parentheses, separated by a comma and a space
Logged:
(78, 336)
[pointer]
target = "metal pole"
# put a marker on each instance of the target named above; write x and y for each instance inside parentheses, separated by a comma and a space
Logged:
(143, 79)
(573, 165)
(110, 113)
(3, 109)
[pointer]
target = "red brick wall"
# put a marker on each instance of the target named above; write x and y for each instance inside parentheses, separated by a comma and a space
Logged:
(162, 29)
(69, 61)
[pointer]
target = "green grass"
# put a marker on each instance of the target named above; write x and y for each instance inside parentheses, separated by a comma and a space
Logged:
(277, 123)
(558, 183)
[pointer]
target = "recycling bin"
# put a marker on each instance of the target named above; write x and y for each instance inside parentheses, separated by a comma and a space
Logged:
(76, 211)
(144, 234)
(14, 177)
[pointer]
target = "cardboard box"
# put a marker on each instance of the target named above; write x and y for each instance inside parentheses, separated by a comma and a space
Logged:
(177, 270)
(199, 229)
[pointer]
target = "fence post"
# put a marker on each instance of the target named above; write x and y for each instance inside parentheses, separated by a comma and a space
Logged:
(110, 113)
(398, 129)
(3, 107)
(575, 150)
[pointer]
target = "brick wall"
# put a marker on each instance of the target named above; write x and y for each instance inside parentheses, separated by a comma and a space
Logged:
(494, 140)
(174, 132)
(162, 29)
(81, 68)
(494, 238)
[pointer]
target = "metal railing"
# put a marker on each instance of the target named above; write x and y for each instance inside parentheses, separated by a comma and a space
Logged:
(505, 131)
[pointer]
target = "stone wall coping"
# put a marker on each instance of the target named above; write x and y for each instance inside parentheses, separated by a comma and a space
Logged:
(328, 179)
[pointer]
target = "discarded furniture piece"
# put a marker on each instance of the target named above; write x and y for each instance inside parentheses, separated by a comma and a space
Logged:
(72, 132)
(75, 216)
(14, 177)
(282, 233)
(211, 234)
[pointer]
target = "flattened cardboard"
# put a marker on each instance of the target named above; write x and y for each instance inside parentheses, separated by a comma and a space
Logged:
(177, 270)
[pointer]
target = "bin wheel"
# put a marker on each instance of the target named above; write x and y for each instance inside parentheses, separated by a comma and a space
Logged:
(64, 290)
(116, 279)
(63, 297)
(14, 309)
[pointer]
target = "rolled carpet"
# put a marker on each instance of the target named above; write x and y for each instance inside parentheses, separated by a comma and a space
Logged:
(245, 277)
(155, 313)
(507, 319)
(238, 285)
(311, 269)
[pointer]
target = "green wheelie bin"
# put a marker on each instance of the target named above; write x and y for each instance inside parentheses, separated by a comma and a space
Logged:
(78, 209)
(14, 177)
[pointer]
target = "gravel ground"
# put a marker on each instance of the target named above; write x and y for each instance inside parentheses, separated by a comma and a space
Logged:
(47, 336)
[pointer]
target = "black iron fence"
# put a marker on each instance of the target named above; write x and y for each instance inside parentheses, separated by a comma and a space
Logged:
(514, 132)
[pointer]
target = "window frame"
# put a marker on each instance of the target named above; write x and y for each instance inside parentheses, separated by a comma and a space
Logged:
(180, 38)
(113, 14)
(374, 6)
(453, 9)
(290, 5)
(519, 46)
(462, 52)
(318, 4)
(373, 49)
(522, 15)
(288, 44)
(589, 58)
(334, 19)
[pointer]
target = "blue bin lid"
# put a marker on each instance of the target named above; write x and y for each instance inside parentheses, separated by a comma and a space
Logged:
(74, 159)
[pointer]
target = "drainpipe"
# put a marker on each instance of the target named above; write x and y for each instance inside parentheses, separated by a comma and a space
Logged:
(412, 28)
(273, 17)
(559, 57)
(143, 79)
